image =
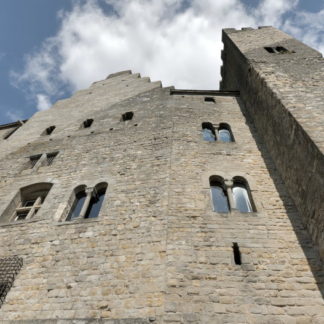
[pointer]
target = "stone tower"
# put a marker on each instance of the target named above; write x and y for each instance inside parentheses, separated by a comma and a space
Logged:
(132, 203)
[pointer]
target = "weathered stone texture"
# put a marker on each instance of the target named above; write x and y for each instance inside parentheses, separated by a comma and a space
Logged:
(157, 253)
(283, 94)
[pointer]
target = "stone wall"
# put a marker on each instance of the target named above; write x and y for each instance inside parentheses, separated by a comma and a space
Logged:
(283, 94)
(157, 253)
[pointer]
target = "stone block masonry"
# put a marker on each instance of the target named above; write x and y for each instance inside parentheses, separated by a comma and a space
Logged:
(283, 95)
(157, 252)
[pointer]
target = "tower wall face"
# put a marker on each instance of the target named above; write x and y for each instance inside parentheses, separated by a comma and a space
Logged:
(157, 253)
(283, 93)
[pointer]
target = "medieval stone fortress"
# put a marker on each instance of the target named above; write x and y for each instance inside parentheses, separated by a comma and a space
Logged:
(133, 203)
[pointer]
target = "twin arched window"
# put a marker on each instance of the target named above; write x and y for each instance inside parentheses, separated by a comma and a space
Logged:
(87, 201)
(234, 194)
(221, 133)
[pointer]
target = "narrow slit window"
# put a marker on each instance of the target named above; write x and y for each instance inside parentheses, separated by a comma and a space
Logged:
(50, 157)
(209, 99)
(225, 133)
(49, 130)
(236, 253)
(208, 132)
(34, 159)
(87, 123)
(127, 116)
(241, 197)
(219, 195)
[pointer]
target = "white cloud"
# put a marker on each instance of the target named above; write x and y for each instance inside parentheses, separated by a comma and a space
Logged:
(175, 41)
(43, 102)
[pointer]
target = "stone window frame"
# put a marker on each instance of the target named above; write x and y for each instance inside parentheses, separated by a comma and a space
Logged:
(90, 191)
(27, 202)
(215, 128)
(43, 160)
(228, 180)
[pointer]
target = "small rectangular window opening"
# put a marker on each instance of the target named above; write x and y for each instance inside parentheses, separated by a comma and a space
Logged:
(50, 157)
(34, 159)
(49, 130)
(281, 50)
(209, 99)
(236, 253)
(127, 116)
(87, 123)
(270, 49)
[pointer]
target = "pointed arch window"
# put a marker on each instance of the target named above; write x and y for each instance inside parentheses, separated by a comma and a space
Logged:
(219, 195)
(87, 201)
(208, 132)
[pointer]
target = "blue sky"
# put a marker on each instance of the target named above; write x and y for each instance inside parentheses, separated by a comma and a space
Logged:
(51, 48)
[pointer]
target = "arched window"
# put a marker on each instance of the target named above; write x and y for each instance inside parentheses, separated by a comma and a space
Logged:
(225, 133)
(219, 195)
(87, 201)
(97, 198)
(26, 203)
(208, 132)
(241, 196)
(80, 196)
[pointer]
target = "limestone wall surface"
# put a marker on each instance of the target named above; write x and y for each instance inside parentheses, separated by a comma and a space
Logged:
(157, 253)
(283, 94)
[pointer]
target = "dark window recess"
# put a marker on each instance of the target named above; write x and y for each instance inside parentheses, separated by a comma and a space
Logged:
(21, 216)
(237, 253)
(10, 132)
(9, 268)
(77, 205)
(28, 203)
(49, 130)
(270, 49)
(210, 99)
(281, 50)
(208, 132)
(34, 159)
(127, 116)
(95, 204)
(277, 49)
(87, 123)
(50, 157)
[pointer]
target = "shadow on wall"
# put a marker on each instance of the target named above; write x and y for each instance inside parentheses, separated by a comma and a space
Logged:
(311, 252)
